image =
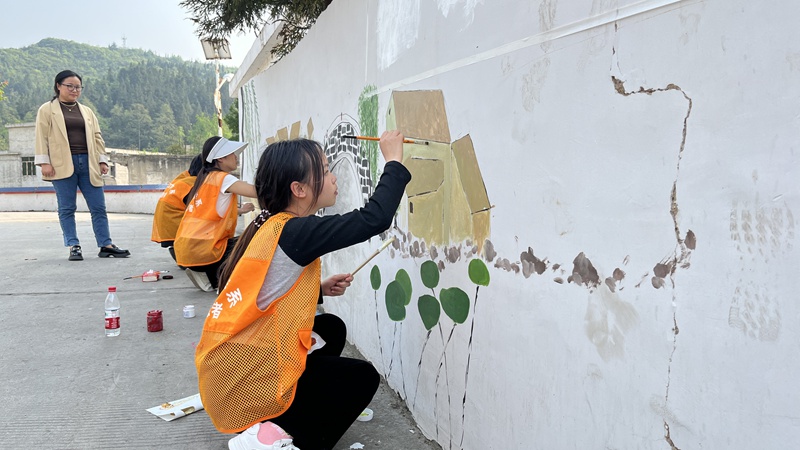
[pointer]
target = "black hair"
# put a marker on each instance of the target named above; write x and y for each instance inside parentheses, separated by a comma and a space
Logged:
(281, 164)
(63, 75)
(196, 165)
(205, 167)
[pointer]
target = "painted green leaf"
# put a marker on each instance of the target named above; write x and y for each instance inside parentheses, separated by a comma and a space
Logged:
(455, 304)
(405, 281)
(429, 274)
(375, 278)
(429, 310)
(478, 272)
(395, 301)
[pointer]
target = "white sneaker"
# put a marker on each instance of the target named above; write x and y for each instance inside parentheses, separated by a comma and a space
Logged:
(248, 439)
(199, 279)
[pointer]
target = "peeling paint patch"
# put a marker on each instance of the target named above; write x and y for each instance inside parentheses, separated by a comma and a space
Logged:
(612, 281)
(691, 240)
(662, 270)
(453, 254)
(488, 251)
(415, 251)
(530, 263)
(505, 264)
(583, 272)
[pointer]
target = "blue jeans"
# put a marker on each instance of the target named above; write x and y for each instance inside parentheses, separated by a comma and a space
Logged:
(67, 194)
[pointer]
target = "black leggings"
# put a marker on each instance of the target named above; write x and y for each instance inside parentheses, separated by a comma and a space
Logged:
(331, 393)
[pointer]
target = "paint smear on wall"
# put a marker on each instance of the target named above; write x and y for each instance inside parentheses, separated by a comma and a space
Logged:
(608, 318)
(398, 28)
(468, 10)
(250, 130)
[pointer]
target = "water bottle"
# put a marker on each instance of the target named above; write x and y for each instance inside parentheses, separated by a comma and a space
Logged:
(112, 312)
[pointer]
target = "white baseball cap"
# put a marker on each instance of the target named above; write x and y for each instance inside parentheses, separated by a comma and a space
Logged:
(224, 147)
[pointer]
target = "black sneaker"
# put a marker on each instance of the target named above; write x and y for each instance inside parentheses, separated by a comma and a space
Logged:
(113, 251)
(75, 253)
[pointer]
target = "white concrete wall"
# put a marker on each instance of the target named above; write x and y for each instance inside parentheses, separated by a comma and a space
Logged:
(22, 138)
(10, 169)
(116, 202)
(640, 159)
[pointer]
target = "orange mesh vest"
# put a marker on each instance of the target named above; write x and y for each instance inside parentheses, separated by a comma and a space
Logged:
(170, 208)
(248, 360)
(202, 235)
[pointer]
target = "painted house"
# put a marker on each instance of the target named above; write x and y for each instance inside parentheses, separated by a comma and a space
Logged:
(595, 250)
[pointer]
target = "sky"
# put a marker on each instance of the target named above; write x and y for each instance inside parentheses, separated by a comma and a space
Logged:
(161, 26)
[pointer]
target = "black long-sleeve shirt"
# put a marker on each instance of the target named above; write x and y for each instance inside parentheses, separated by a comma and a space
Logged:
(305, 239)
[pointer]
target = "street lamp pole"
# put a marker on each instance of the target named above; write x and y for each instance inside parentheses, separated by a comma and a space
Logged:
(217, 50)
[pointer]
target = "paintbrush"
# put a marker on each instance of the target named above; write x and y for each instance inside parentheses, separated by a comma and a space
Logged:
(385, 244)
(370, 138)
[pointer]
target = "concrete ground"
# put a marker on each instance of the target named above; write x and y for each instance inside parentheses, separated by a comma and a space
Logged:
(67, 386)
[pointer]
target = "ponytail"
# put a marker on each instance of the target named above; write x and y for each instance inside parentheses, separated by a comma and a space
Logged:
(207, 167)
(226, 270)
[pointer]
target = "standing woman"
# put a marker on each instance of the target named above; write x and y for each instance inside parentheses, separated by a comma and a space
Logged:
(72, 154)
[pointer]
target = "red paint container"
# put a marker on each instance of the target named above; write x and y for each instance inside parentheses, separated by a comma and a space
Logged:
(155, 321)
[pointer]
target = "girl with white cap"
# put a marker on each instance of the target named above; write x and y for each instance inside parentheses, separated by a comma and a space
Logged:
(206, 234)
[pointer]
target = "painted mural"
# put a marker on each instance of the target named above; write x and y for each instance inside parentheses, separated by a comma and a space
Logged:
(448, 224)
(587, 255)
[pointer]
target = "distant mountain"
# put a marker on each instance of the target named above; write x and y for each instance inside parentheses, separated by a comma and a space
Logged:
(142, 100)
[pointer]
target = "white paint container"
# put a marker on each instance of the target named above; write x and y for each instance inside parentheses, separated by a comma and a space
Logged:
(188, 311)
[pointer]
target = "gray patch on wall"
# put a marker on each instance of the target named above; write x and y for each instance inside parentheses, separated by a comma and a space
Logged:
(530, 263)
(583, 272)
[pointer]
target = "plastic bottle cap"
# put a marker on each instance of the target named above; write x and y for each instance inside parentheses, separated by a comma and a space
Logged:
(112, 289)
(365, 415)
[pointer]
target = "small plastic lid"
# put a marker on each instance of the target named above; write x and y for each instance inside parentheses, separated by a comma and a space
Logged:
(112, 289)
(365, 415)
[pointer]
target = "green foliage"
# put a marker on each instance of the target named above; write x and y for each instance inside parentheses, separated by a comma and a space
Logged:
(396, 301)
(166, 132)
(204, 127)
(405, 282)
(478, 272)
(232, 121)
(429, 310)
(126, 88)
(375, 278)
(3, 85)
(216, 19)
(429, 274)
(455, 304)
(368, 120)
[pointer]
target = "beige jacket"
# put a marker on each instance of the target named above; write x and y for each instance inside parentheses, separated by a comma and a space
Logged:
(52, 146)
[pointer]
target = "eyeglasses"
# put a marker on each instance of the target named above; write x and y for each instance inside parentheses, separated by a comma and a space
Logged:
(73, 88)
